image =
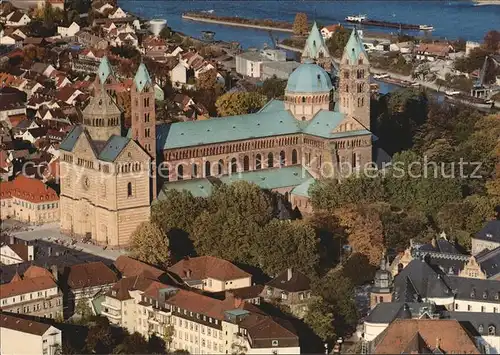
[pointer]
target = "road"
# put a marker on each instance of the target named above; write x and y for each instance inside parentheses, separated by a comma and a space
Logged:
(50, 233)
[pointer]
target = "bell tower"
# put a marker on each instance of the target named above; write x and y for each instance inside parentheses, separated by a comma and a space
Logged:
(143, 123)
(381, 290)
(354, 83)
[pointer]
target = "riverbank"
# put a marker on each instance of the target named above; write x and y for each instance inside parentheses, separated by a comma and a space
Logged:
(234, 22)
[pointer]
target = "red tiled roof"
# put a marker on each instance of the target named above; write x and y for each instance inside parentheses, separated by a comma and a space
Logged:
(26, 285)
(27, 189)
(129, 267)
(203, 267)
(22, 325)
(90, 274)
(447, 334)
(36, 271)
(21, 250)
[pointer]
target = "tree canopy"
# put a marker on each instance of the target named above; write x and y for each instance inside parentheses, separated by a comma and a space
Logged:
(300, 25)
(239, 103)
(150, 244)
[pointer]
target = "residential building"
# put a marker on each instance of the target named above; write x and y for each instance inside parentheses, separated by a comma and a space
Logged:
(205, 325)
(35, 293)
(402, 47)
(432, 51)
(211, 274)
(90, 40)
(470, 45)
(84, 283)
(28, 200)
(290, 288)
(424, 336)
(26, 337)
(17, 19)
(16, 253)
(12, 103)
(69, 31)
(487, 238)
(251, 63)
(328, 31)
(179, 76)
(484, 265)
(118, 13)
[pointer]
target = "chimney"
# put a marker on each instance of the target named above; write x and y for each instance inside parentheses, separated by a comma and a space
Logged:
(188, 273)
(289, 274)
(31, 252)
(49, 251)
(433, 242)
(11, 239)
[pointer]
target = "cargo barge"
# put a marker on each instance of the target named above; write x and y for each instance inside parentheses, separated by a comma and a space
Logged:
(363, 20)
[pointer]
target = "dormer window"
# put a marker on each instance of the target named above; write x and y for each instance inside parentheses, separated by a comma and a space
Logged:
(480, 329)
(284, 295)
(274, 343)
(473, 293)
(491, 330)
(485, 294)
(489, 235)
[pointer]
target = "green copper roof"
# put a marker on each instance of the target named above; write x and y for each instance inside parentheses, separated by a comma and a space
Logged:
(105, 70)
(197, 187)
(309, 78)
(273, 106)
(268, 179)
(69, 142)
(113, 148)
(354, 47)
(314, 43)
(303, 189)
(232, 128)
(142, 77)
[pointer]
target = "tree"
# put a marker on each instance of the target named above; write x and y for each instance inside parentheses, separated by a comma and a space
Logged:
(132, 344)
(357, 269)
(168, 336)
(166, 32)
(124, 102)
(273, 88)
(320, 317)
(83, 309)
(156, 345)
(239, 103)
(337, 42)
(99, 338)
(300, 25)
(492, 40)
(287, 244)
(365, 231)
(337, 291)
(150, 244)
(207, 80)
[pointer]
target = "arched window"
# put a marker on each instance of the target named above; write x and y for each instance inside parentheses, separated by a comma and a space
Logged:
(282, 158)
(303, 99)
(180, 172)
(246, 163)
(491, 330)
(129, 189)
(234, 166)
(294, 156)
(258, 162)
(220, 167)
(270, 160)
(480, 329)
(194, 170)
(381, 299)
(207, 168)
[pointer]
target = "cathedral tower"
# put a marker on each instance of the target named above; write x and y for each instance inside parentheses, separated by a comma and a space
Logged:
(315, 49)
(105, 78)
(143, 124)
(354, 84)
(381, 290)
(102, 117)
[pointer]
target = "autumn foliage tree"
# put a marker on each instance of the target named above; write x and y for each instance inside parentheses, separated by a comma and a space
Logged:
(239, 103)
(300, 25)
(207, 80)
(365, 231)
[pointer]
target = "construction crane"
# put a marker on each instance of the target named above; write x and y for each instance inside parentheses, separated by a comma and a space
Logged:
(482, 73)
(274, 40)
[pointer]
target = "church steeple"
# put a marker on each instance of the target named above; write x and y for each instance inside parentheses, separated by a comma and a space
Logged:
(102, 117)
(143, 125)
(316, 49)
(105, 78)
(354, 82)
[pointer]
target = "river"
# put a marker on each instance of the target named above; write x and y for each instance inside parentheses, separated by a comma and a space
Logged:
(451, 19)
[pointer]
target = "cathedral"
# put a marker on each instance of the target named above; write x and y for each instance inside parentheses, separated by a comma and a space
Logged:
(109, 178)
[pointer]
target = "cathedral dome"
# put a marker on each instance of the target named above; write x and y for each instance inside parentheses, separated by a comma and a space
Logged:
(309, 78)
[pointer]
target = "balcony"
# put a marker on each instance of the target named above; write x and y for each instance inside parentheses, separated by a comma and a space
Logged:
(111, 314)
(113, 307)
